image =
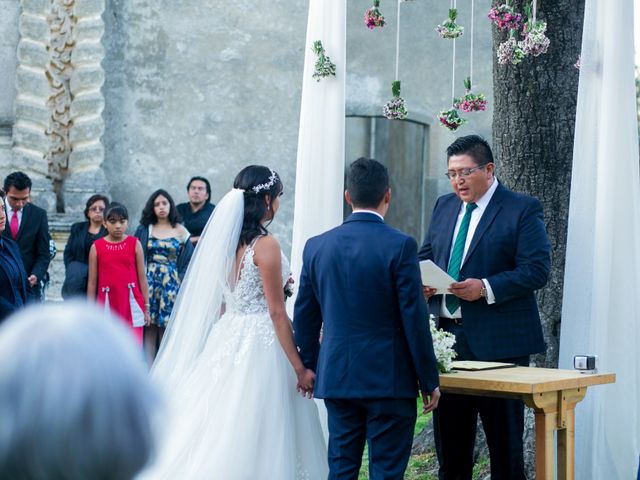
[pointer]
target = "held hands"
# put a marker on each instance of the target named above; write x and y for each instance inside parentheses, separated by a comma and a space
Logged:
(430, 401)
(469, 290)
(306, 380)
(32, 279)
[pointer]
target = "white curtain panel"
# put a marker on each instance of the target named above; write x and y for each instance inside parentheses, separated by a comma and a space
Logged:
(320, 163)
(601, 303)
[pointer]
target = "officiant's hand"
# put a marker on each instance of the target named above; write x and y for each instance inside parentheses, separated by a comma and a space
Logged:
(430, 401)
(469, 290)
(428, 291)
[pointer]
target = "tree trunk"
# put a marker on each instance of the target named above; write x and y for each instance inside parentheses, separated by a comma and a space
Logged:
(533, 129)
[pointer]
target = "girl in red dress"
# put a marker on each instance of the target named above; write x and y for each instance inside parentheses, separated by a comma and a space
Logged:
(117, 277)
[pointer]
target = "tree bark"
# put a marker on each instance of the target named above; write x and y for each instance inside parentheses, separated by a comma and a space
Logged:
(533, 128)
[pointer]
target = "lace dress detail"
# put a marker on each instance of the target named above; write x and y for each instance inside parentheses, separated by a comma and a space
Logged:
(248, 296)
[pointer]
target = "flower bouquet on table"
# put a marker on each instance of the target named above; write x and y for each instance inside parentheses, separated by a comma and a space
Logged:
(443, 343)
(451, 119)
(471, 102)
(372, 17)
(324, 67)
(449, 28)
(395, 108)
(505, 17)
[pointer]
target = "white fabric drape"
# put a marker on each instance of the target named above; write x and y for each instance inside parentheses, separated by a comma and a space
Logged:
(601, 303)
(320, 163)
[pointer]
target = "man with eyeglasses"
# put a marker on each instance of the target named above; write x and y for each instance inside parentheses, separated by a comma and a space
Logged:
(196, 212)
(29, 228)
(493, 242)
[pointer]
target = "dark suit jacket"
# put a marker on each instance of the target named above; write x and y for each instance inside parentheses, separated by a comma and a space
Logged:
(361, 281)
(511, 250)
(76, 260)
(75, 251)
(33, 240)
(12, 295)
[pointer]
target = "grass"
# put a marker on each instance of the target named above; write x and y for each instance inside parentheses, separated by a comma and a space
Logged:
(423, 467)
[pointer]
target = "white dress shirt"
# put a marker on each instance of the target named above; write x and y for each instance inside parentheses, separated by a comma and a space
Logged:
(476, 215)
(362, 210)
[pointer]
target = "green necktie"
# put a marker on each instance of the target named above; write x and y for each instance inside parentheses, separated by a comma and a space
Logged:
(455, 262)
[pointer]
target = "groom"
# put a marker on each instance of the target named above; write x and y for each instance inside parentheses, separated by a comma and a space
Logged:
(360, 283)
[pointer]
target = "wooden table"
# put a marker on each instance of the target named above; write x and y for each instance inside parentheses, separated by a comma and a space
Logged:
(551, 393)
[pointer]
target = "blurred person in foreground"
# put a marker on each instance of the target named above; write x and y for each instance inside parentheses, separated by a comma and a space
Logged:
(74, 397)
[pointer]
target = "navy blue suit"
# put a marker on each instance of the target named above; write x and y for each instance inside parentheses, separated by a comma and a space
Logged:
(13, 278)
(511, 250)
(361, 283)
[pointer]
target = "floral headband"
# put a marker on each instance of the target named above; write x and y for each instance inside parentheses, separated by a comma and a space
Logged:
(266, 186)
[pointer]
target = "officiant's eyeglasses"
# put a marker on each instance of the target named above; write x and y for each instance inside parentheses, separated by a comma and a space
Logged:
(463, 172)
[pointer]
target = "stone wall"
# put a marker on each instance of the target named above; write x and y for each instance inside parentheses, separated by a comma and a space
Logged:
(145, 94)
(209, 90)
(8, 45)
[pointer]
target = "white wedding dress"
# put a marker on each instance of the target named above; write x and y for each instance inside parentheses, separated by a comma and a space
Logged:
(236, 414)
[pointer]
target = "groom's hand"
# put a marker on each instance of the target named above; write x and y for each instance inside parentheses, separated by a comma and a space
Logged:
(430, 401)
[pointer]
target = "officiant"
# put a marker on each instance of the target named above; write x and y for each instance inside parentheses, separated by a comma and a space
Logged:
(494, 243)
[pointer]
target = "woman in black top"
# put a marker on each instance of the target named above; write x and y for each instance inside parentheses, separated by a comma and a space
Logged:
(76, 252)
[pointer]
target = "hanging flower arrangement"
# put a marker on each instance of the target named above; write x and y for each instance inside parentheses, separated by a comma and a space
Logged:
(535, 40)
(395, 108)
(451, 119)
(510, 51)
(324, 67)
(449, 29)
(505, 17)
(470, 102)
(372, 17)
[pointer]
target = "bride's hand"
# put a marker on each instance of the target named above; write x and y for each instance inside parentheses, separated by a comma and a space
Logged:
(306, 379)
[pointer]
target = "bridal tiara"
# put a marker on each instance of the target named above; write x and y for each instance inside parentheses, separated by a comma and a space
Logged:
(266, 186)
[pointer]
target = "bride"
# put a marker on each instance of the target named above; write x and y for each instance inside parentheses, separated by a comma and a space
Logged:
(228, 364)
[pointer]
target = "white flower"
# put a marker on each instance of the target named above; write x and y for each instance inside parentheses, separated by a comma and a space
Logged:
(442, 346)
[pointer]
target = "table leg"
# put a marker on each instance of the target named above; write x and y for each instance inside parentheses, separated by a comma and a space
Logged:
(545, 426)
(567, 401)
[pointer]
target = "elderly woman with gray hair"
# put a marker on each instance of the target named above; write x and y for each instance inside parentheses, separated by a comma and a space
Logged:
(74, 397)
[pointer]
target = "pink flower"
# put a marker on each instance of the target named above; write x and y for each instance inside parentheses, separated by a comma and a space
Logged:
(505, 17)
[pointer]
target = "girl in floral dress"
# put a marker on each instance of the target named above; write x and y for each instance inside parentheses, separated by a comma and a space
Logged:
(167, 251)
(116, 272)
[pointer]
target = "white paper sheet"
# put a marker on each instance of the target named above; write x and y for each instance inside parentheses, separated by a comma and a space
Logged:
(435, 277)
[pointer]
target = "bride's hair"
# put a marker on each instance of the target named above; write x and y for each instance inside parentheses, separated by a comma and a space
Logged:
(256, 181)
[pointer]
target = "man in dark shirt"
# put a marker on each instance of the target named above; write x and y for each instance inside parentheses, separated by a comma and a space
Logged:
(196, 212)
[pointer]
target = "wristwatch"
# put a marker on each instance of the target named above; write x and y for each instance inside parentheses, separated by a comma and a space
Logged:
(483, 292)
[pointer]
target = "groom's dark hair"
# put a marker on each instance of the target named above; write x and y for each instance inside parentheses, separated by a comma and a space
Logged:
(367, 182)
